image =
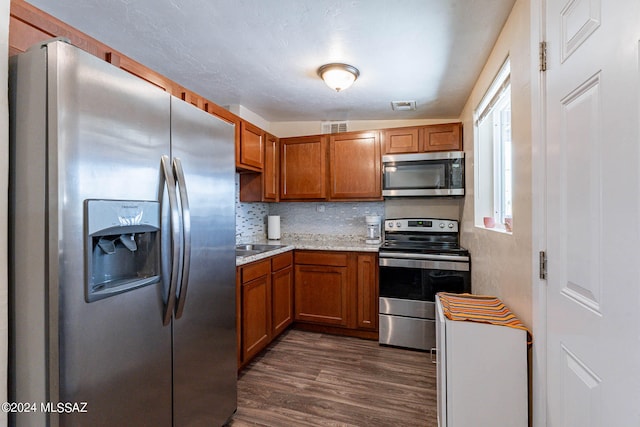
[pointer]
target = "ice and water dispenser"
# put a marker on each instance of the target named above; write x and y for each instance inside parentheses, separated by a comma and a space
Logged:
(122, 246)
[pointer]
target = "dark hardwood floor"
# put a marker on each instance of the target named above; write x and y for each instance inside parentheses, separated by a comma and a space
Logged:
(311, 379)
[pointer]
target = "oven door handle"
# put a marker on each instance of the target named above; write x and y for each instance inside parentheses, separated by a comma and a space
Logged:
(429, 257)
(424, 264)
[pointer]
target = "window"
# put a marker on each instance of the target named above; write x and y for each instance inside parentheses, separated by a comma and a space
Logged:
(493, 165)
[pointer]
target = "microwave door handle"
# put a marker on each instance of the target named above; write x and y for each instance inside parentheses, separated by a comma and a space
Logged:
(168, 180)
(186, 228)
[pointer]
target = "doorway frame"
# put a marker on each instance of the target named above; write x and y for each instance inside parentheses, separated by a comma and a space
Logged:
(539, 218)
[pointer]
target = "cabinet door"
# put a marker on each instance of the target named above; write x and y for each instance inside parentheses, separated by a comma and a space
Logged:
(367, 291)
(354, 165)
(303, 168)
(282, 300)
(270, 172)
(444, 137)
(256, 316)
(402, 140)
(251, 147)
(321, 294)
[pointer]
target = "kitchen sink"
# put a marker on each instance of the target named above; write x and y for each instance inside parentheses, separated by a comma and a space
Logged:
(254, 249)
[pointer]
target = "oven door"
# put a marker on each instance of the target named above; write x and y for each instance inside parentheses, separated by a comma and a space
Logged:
(422, 279)
(407, 295)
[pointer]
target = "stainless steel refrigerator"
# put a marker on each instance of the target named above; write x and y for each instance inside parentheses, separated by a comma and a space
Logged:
(122, 249)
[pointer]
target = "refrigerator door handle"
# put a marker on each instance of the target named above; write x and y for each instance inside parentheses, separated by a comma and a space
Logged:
(186, 228)
(175, 238)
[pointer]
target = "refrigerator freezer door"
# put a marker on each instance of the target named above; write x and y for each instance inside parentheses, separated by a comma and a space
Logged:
(106, 131)
(205, 369)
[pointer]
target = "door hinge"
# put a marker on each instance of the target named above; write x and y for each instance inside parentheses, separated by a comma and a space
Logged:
(543, 265)
(543, 56)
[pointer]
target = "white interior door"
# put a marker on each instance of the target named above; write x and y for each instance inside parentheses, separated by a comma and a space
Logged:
(593, 240)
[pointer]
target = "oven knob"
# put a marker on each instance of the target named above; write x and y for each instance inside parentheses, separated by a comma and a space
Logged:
(398, 224)
(442, 225)
(390, 224)
(450, 225)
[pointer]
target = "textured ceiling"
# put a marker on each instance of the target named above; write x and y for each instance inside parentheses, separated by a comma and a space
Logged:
(263, 54)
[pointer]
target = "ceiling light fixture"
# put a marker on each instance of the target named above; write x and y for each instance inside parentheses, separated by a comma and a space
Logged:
(338, 76)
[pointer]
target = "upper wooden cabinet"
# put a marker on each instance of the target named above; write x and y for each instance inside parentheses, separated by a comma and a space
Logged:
(271, 169)
(444, 137)
(250, 151)
(402, 140)
(337, 289)
(303, 168)
(354, 166)
(441, 137)
(263, 186)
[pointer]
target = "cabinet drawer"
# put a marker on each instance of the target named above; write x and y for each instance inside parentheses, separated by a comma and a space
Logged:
(338, 259)
(253, 271)
(281, 261)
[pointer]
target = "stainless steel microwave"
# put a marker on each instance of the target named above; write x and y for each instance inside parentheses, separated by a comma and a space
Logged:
(423, 174)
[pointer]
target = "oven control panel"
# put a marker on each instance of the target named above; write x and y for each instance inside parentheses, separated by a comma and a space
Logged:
(418, 225)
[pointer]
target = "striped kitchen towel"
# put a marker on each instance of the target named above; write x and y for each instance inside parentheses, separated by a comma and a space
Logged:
(480, 308)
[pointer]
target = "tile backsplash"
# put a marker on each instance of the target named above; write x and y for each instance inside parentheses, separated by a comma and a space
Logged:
(250, 218)
(317, 219)
(325, 219)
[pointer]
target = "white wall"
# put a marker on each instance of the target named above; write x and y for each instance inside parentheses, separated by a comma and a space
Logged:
(502, 262)
(4, 183)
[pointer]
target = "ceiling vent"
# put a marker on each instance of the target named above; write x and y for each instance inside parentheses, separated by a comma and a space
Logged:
(403, 105)
(334, 127)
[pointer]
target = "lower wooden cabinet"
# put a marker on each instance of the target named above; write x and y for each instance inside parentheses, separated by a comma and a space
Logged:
(255, 308)
(334, 290)
(322, 294)
(264, 303)
(338, 289)
(281, 293)
(367, 291)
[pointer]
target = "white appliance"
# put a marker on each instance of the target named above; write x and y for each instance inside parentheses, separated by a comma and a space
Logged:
(273, 227)
(373, 229)
(481, 374)
(122, 248)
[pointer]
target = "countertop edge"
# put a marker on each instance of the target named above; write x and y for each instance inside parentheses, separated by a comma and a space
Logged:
(312, 246)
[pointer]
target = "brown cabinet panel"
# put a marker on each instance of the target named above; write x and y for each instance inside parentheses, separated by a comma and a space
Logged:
(264, 303)
(192, 99)
(255, 270)
(444, 137)
(281, 292)
(321, 294)
(282, 300)
(303, 168)
(281, 261)
(270, 172)
(337, 290)
(367, 291)
(263, 186)
(256, 316)
(354, 166)
(338, 259)
(402, 140)
(251, 152)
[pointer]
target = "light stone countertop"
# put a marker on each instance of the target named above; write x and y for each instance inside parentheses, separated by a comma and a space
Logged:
(319, 244)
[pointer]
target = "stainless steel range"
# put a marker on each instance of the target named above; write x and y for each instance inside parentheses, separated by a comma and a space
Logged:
(419, 258)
